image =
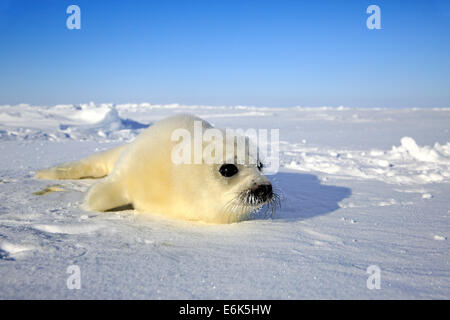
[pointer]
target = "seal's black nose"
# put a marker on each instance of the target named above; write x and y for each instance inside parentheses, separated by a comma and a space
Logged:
(264, 191)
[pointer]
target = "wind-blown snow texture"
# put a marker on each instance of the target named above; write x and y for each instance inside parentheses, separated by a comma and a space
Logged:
(361, 187)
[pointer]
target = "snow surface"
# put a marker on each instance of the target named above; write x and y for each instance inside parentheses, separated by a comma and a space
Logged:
(360, 187)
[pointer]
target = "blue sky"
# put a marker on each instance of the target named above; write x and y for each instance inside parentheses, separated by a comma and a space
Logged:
(262, 53)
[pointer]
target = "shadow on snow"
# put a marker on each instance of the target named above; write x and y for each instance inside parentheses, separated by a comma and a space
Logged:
(303, 196)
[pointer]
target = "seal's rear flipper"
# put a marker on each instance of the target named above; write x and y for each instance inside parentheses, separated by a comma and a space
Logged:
(106, 195)
(96, 166)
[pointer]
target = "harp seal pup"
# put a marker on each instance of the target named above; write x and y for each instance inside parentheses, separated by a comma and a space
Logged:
(143, 174)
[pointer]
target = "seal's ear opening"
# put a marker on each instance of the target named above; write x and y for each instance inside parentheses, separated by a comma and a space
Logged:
(260, 166)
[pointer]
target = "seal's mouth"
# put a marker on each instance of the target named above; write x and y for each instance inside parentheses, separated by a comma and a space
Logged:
(252, 200)
(257, 196)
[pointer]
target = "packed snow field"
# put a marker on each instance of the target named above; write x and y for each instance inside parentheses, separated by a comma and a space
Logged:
(360, 187)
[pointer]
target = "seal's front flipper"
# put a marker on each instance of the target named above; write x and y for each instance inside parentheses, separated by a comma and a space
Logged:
(106, 195)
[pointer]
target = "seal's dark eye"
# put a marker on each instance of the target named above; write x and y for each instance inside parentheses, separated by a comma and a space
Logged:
(228, 170)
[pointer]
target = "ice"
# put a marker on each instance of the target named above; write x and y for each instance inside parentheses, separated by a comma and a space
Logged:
(404, 164)
(61, 122)
(359, 187)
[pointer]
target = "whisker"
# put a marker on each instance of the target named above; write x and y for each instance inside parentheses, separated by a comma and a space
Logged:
(247, 204)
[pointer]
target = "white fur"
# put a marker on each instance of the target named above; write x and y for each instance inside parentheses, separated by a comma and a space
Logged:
(143, 174)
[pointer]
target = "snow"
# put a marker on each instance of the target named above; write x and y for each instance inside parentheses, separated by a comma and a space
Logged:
(404, 164)
(360, 187)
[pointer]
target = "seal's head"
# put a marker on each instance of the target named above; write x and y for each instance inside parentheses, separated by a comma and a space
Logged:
(237, 182)
(248, 190)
